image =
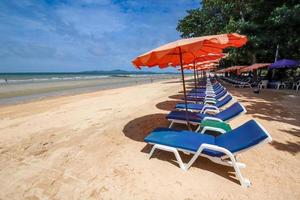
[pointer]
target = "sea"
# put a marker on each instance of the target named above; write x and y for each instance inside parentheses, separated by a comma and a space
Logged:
(23, 87)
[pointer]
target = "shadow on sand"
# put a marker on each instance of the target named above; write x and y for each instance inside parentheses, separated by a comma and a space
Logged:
(176, 97)
(200, 163)
(139, 128)
(167, 105)
(291, 147)
(270, 107)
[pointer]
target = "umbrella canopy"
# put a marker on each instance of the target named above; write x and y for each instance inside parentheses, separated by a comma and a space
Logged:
(186, 51)
(284, 63)
(189, 49)
(221, 71)
(201, 64)
(203, 68)
(208, 58)
(231, 69)
(254, 67)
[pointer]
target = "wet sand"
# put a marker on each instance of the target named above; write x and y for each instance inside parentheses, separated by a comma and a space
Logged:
(90, 146)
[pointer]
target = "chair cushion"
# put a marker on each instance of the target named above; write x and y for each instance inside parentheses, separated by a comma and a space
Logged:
(192, 106)
(245, 136)
(221, 94)
(186, 140)
(224, 101)
(230, 112)
(181, 115)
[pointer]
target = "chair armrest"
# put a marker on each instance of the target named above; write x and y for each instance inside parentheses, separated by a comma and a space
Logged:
(211, 111)
(211, 128)
(212, 118)
(209, 96)
(210, 92)
(212, 108)
(210, 101)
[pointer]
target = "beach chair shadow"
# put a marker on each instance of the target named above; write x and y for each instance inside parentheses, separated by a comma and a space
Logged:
(167, 105)
(201, 163)
(267, 107)
(139, 128)
(176, 97)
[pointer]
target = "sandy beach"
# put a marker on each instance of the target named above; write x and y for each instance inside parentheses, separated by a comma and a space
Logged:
(90, 146)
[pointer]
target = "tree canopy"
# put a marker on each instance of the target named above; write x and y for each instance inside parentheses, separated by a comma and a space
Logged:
(267, 24)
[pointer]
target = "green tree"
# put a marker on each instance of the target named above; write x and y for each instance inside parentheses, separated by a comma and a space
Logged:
(266, 24)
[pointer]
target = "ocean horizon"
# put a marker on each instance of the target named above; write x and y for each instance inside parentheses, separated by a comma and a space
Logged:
(27, 77)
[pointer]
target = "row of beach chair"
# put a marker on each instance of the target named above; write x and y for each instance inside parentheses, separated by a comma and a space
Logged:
(240, 82)
(210, 106)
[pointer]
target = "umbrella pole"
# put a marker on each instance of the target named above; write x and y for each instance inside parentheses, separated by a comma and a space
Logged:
(195, 76)
(184, 90)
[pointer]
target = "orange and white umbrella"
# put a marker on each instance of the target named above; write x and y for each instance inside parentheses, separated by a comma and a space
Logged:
(186, 51)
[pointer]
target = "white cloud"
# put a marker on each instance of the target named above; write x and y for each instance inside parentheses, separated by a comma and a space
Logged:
(89, 33)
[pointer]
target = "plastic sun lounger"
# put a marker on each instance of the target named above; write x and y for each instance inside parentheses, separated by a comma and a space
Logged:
(203, 89)
(207, 91)
(226, 115)
(202, 97)
(200, 107)
(242, 84)
(221, 149)
(207, 97)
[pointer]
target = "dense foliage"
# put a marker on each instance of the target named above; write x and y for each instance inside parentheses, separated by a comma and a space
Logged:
(267, 24)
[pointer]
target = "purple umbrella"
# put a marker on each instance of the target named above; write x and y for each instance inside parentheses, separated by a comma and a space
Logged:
(284, 63)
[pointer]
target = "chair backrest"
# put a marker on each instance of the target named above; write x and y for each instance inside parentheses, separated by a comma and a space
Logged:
(219, 90)
(245, 136)
(224, 101)
(221, 94)
(216, 86)
(231, 112)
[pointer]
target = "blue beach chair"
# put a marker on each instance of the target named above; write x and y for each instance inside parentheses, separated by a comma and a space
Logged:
(203, 96)
(226, 115)
(206, 104)
(203, 89)
(221, 149)
(206, 92)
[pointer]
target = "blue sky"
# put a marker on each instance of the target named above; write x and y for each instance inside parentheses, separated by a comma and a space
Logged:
(78, 35)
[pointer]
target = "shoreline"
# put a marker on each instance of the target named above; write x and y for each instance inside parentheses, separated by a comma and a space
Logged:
(22, 93)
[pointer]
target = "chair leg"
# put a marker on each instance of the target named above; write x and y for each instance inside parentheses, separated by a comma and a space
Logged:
(171, 124)
(244, 182)
(152, 151)
(169, 149)
(198, 128)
